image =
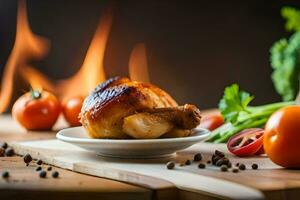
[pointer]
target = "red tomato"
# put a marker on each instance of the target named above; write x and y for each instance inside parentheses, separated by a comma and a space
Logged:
(282, 137)
(212, 122)
(36, 110)
(246, 143)
(71, 109)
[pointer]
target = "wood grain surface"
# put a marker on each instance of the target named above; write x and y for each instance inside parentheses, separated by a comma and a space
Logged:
(269, 181)
(24, 182)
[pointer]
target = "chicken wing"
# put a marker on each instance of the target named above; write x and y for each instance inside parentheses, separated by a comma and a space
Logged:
(153, 123)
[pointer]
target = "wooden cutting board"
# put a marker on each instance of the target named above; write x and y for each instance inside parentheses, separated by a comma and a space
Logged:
(269, 181)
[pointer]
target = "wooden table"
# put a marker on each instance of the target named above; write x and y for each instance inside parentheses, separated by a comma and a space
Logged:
(25, 183)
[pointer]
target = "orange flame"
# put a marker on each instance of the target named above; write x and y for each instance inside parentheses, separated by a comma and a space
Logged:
(91, 72)
(29, 46)
(138, 66)
(36, 79)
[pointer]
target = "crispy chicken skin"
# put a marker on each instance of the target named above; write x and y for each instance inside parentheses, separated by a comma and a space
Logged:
(121, 108)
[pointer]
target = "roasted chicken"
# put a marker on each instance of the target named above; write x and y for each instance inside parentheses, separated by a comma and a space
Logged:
(121, 108)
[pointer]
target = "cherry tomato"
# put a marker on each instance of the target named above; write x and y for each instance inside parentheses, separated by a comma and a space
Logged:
(71, 109)
(212, 122)
(246, 143)
(282, 137)
(36, 110)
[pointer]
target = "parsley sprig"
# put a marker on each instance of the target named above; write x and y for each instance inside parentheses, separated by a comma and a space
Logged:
(239, 115)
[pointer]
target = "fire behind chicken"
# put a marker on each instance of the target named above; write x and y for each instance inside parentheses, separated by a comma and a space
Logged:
(120, 108)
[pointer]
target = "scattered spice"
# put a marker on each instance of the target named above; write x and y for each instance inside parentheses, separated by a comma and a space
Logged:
(188, 162)
(224, 168)
(49, 168)
(235, 170)
(9, 152)
(170, 165)
(208, 162)
(198, 157)
(222, 161)
(38, 168)
(214, 159)
(242, 167)
(201, 165)
(27, 158)
(237, 164)
(5, 174)
(219, 162)
(254, 166)
(2, 152)
(55, 174)
(43, 174)
(219, 153)
(39, 162)
(4, 145)
(229, 164)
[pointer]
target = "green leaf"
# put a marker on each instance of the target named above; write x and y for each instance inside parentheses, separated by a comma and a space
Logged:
(292, 16)
(234, 103)
(285, 60)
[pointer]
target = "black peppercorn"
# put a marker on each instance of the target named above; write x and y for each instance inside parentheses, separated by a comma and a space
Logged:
(219, 162)
(55, 174)
(5, 174)
(43, 174)
(187, 162)
(39, 162)
(49, 168)
(208, 162)
(27, 158)
(229, 164)
(4, 145)
(219, 153)
(242, 167)
(2, 152)
(222, 161)
(237, 164)
(201, 165)
(224, 168)
(9, 152)
(235, 170)
(197, 157)
(170, 165)
(215, 159)
(254, 166)
(38, 168)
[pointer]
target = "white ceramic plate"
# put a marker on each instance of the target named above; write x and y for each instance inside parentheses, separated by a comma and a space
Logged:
(130, 148)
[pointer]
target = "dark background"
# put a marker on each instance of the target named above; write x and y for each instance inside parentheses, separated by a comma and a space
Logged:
(195, 48)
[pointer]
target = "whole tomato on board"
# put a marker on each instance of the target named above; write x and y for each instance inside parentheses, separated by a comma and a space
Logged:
(71, 108)
(248, 142)
(36, 110)
(282, 137)
(212, 122)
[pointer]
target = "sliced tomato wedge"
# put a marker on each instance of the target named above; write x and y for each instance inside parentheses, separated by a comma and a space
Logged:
(246, 143)
(260, 151)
